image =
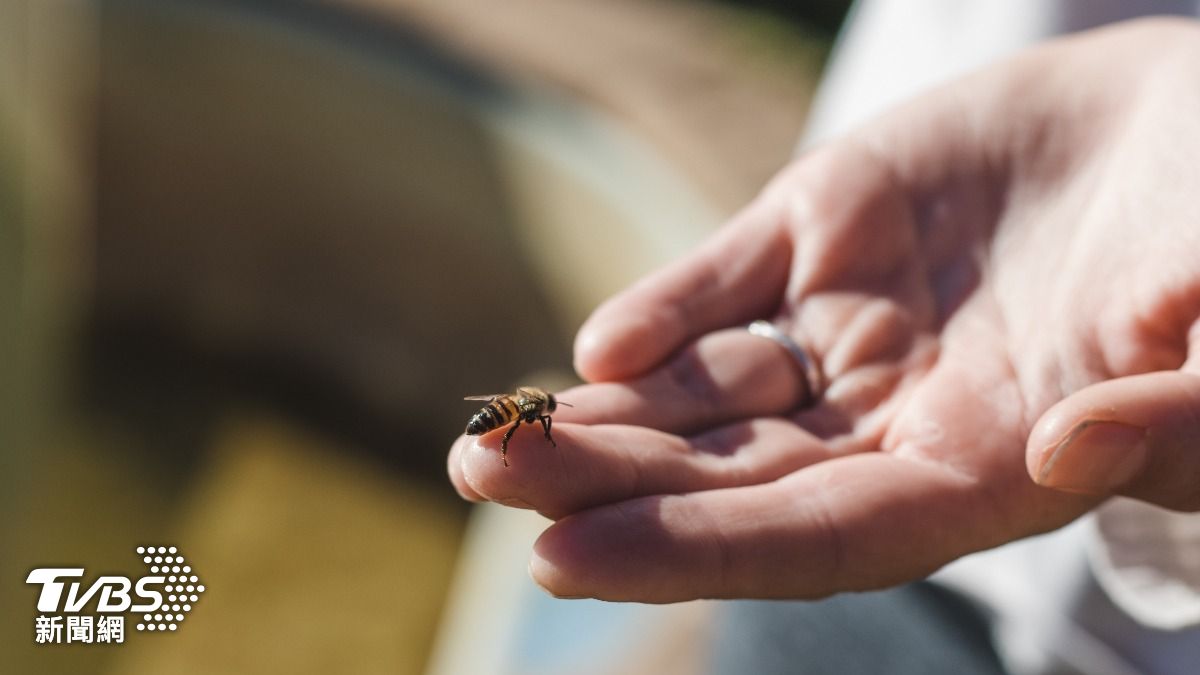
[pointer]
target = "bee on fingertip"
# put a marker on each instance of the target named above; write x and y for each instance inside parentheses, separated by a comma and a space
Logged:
(527, 404)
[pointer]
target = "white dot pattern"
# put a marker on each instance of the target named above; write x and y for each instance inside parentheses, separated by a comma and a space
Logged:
(176, 605)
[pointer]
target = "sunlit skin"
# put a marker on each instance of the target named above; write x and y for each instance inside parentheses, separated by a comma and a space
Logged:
(979, 272)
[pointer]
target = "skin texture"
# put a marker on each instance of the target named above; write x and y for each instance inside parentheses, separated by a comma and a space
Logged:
(1001, 280)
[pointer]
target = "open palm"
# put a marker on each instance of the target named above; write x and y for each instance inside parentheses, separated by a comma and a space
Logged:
(964, 270)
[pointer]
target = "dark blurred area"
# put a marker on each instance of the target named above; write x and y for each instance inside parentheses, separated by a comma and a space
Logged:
(820, 16)
(287, 250)
(253, 255)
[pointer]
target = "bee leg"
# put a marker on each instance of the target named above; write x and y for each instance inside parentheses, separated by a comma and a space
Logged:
(546, 425)
(504, 444)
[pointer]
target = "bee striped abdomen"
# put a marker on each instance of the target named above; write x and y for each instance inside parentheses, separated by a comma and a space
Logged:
(494, 415)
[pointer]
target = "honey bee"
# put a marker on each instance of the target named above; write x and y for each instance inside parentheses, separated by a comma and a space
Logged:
(528, 404)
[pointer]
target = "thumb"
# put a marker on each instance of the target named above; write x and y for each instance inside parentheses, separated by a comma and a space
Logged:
(1136, 436)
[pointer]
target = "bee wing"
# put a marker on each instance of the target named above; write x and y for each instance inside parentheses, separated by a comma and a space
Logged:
(485, 397)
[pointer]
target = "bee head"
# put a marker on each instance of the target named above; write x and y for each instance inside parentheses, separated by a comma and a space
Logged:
(551, 403)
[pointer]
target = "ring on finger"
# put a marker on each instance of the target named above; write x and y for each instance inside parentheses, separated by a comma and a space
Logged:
(806, 364)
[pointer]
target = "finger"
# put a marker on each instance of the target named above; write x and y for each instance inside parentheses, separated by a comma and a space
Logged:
(832, 232)
(724, 376)
(733, 375)
(852, 523)
(736, 276)
(1136, 436)
(455, 469)
(940, 490)
(600, 464)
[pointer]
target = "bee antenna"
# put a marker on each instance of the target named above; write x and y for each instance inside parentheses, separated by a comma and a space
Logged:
(566, 404)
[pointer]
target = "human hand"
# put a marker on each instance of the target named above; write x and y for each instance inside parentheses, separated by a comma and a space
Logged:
(983, 274)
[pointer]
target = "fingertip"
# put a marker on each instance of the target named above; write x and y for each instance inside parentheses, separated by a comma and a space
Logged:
(1130, 436)
(486, 474)
(617, 552)
(547, 576)
(590, 347)
(476, 466)
(454, 468)
(618, 343)
(1047, 434)
(1066, 418)
(555, 562)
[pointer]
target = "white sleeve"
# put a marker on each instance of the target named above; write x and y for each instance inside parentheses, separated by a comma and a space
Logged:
(1147, 560)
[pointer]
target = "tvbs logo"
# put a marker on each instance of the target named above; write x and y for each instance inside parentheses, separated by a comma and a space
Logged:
(163, 598)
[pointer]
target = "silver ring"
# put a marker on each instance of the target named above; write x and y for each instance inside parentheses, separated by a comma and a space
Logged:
(810, 372)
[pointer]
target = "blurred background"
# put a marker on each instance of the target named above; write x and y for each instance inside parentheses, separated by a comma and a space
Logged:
(253, 254)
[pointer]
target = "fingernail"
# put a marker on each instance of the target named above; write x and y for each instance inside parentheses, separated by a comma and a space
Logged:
(1095, 457)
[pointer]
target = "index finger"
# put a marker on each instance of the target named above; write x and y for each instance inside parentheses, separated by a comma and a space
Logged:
(737, 275)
